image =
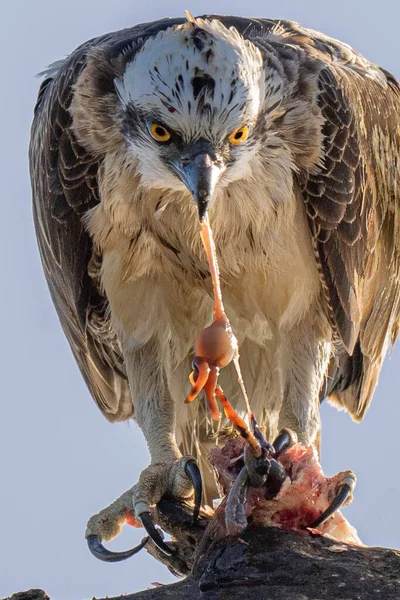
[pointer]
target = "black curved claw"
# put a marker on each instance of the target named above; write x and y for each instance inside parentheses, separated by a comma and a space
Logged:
(235, 511)
(285, 439)
(149, 526)
(276, 477)
(344, 491)
(99, 551)
(192, 470)
(265, 445)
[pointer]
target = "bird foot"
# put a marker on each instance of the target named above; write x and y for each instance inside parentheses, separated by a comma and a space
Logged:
(258, 471)
(176, 479)
(285, 487)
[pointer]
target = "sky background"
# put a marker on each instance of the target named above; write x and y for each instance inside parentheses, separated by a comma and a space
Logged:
(60, 460)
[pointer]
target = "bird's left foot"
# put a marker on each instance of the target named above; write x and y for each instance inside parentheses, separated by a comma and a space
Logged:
(175, 479)
(291, 476)
(258, 471)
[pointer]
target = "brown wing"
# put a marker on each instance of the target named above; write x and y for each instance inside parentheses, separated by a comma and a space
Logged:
(352, 204)
(64, 184)
(353, 209)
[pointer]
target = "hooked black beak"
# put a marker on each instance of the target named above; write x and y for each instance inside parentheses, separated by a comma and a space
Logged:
(200, 174)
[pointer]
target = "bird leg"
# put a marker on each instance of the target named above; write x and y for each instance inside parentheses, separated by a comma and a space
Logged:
(170, 474)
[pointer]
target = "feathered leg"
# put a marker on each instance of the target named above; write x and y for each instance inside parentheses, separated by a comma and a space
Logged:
(169, 473)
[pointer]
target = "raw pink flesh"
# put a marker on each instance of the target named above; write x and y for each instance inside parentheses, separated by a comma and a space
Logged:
(305, 494)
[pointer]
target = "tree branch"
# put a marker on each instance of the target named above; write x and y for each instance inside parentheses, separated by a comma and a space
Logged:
(267, 564)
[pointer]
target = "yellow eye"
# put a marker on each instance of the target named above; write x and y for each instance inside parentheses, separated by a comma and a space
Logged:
(159, 132)
(239, 135)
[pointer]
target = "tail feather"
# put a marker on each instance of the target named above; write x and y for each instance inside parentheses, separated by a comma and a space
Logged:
(353, 382)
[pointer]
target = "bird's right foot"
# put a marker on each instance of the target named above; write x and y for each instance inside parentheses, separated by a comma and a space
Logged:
(178, 479)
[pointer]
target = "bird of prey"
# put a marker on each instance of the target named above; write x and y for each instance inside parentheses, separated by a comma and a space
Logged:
(290, 142)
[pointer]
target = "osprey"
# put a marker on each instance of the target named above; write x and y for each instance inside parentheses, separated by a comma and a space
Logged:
(290, 141)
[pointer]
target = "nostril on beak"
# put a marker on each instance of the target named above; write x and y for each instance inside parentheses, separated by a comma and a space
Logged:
(185, 160)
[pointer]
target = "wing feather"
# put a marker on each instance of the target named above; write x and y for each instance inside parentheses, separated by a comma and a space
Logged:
(64, 185)
(352, 204)
(353, 210)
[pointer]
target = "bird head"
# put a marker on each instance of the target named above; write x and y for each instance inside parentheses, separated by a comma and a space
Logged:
(192, 98)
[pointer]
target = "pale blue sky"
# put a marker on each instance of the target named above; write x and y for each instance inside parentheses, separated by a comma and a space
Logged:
(60, 460)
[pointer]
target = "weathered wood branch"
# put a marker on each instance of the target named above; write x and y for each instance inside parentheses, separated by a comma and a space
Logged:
(267, 564)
